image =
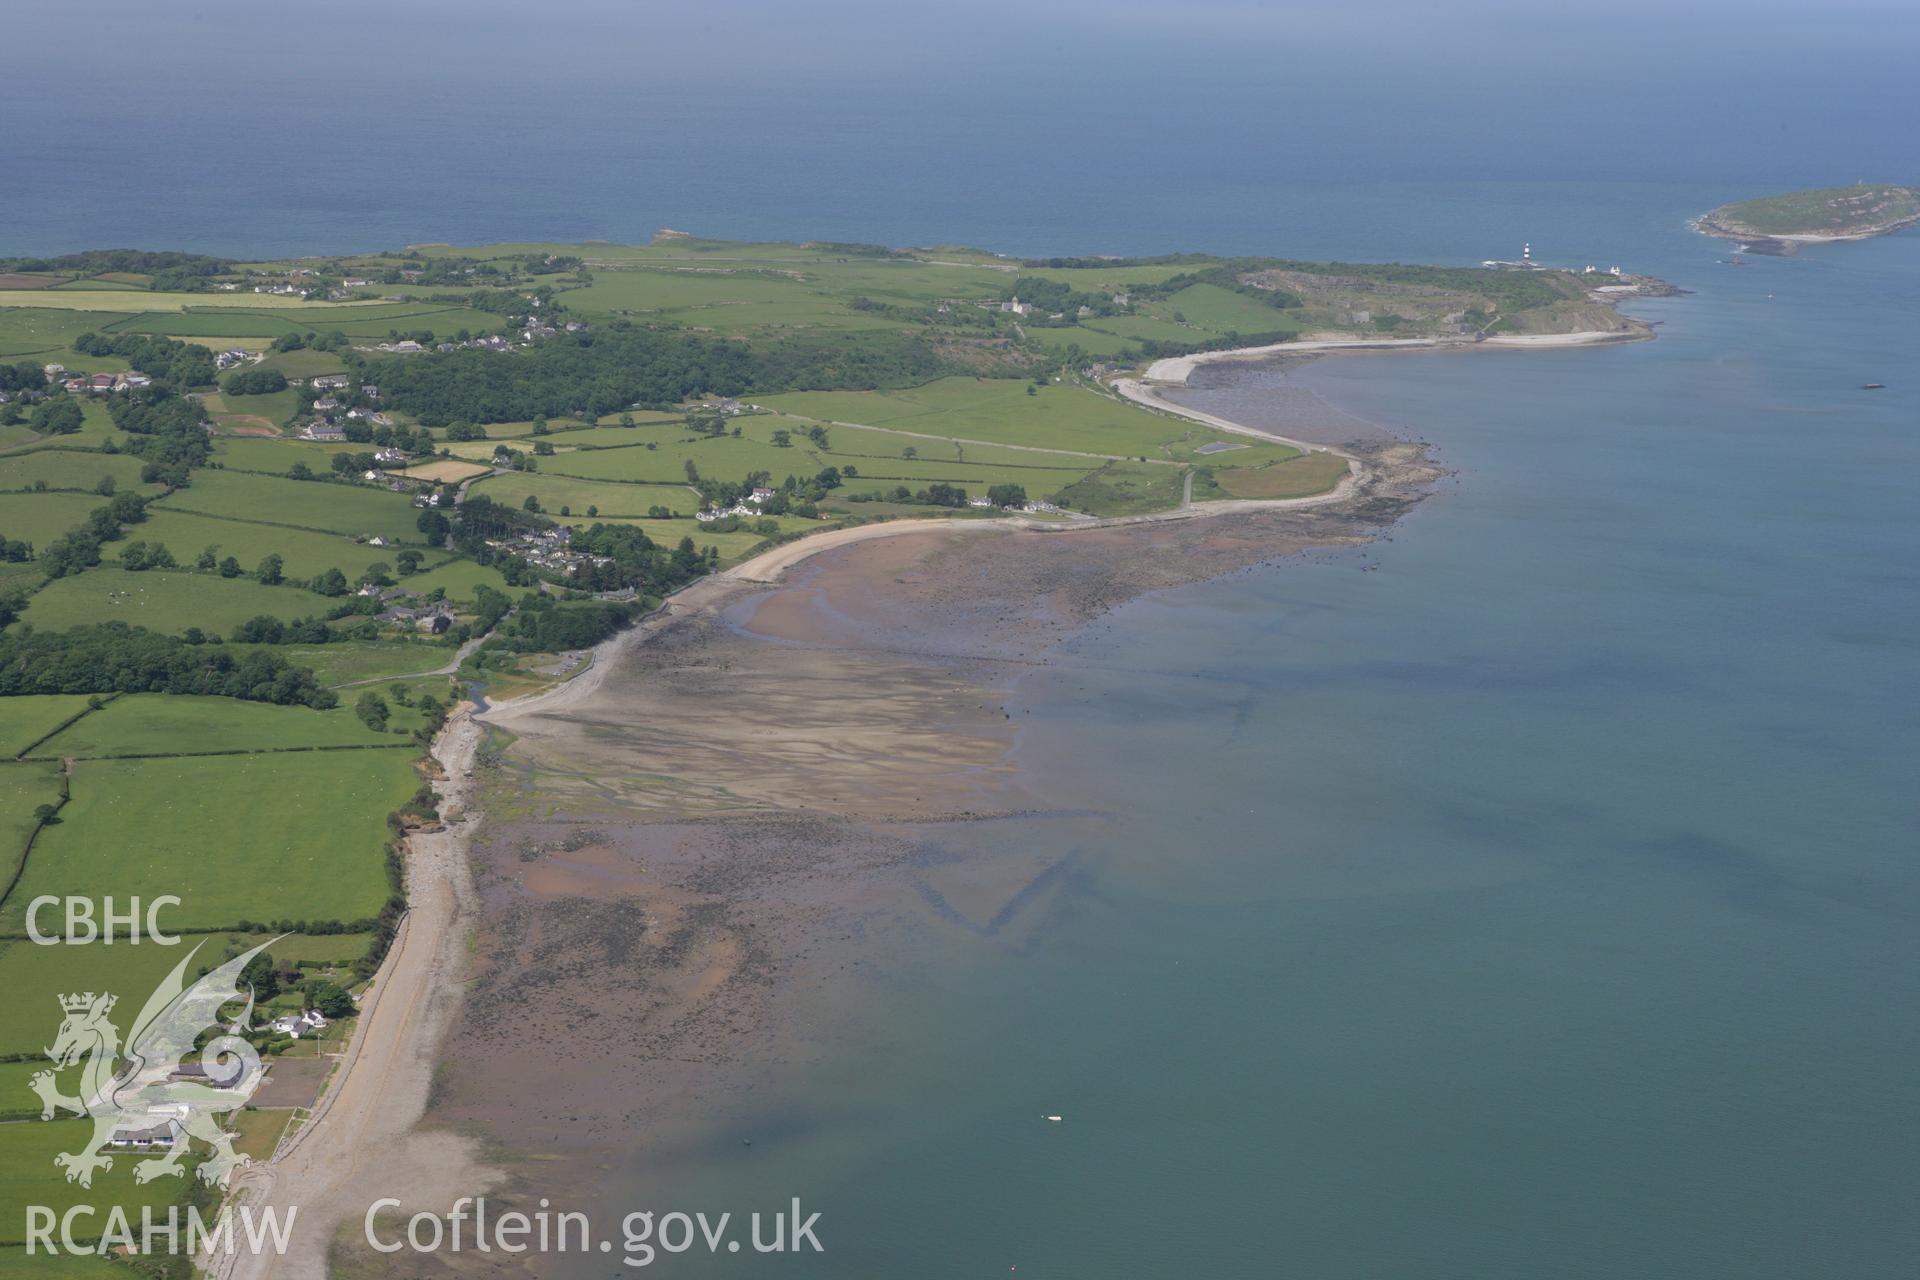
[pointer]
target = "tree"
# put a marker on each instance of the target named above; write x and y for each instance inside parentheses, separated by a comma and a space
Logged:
(258, 974)
(379, 574)
(254, 382)
(229, 568)
(330, 998)
(207, 559)
(105, 486)
(434, 525)
(300, 471)
(407, 562)
(59, 416)
(46, 814)
(531, 504)
(1007, 495)
(270, 570)
(331, 583)
(372, 710)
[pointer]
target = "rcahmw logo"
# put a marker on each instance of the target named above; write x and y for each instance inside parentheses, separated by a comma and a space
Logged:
(84, 924)
(155, 1103)
(71, 1232)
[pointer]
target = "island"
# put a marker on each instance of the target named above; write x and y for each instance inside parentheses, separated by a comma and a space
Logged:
(1781, 224)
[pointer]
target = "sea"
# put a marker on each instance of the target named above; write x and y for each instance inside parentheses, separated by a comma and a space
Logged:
(1530, 893)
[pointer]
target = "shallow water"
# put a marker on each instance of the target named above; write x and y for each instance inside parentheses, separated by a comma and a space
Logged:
(1530, 893)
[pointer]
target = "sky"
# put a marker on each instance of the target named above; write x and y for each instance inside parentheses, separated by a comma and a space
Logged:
(728, 111)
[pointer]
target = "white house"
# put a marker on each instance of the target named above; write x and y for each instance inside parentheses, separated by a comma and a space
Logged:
(310, 1021)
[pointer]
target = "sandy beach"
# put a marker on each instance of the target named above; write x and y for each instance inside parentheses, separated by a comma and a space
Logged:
(1176, 370)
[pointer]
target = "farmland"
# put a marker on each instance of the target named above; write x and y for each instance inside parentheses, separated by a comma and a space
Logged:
(31, 718)
(168, 601)
(292, 504)
(148, 724)
(58, 468)
(194, 826)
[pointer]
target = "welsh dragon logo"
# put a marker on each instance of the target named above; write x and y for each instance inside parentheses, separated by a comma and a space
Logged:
(153, 1102)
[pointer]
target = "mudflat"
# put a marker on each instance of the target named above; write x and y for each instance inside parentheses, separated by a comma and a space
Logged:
(718, 821)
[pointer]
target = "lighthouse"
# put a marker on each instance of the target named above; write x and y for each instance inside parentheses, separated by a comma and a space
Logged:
(1526, 254)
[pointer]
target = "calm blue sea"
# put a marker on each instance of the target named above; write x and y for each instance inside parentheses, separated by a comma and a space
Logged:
(1531, 894)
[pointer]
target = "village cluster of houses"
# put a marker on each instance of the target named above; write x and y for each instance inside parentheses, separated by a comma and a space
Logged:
(326, 428)
(104, 383)
(547, 549)
(747, 506)
(1034, 507)
(433, 617)
(1016, 307)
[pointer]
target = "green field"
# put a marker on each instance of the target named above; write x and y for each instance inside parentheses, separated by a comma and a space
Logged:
(303, 554)
(82, 299)
(304, 363)
(168, 601)
(200, 827)
(158, 724)
(613, 499)
(260, 453)
(29, 328)
(351, 509)
(202, 324)
(273, 408)
(96, 430)
(29, 1176)
(72, 469)
(39, 518)
(30, 718)
(999, 410)
(1125, 489)
(24, 786)
(457, 578)
(348, 660)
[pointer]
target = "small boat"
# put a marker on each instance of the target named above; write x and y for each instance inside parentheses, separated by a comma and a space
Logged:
(1873, 386)
(1055, 1119)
